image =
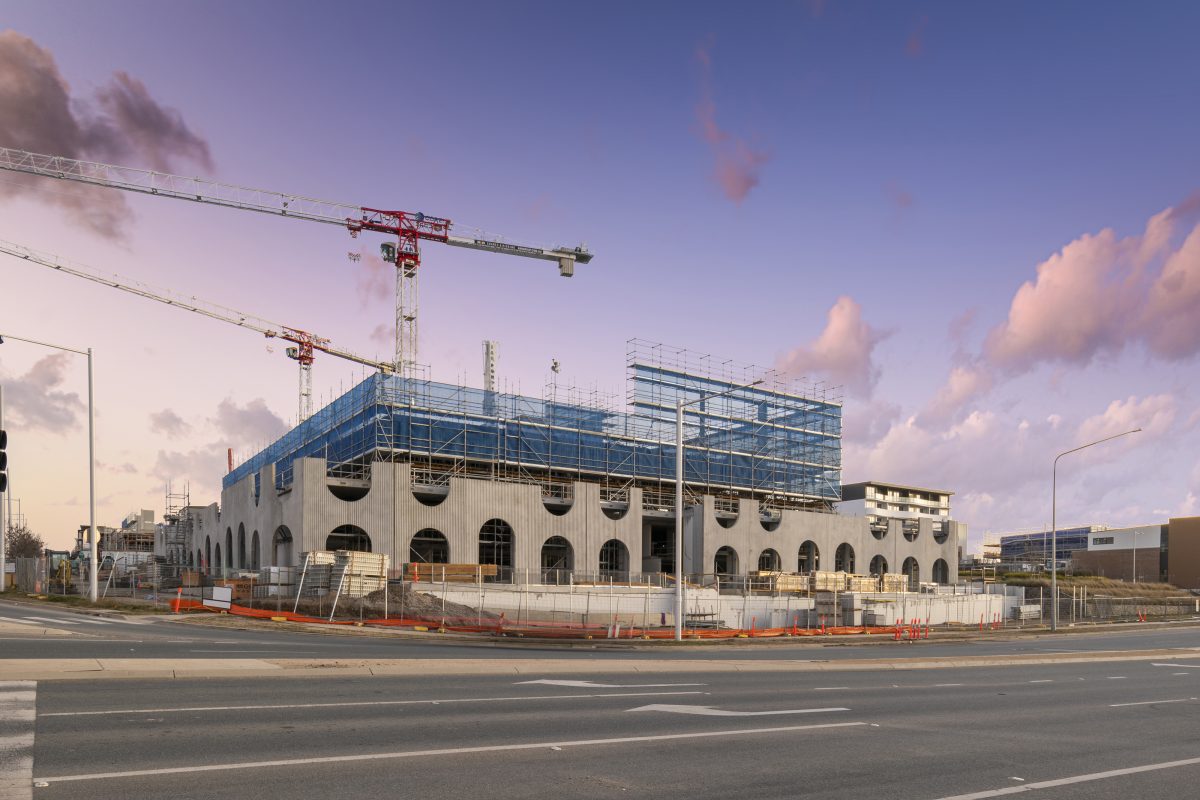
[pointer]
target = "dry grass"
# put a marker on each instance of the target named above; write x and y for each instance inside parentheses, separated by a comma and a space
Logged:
(1098, 586)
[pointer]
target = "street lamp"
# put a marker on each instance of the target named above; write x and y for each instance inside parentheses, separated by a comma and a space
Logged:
(93, 589)
(1054, 522)
(679, 404)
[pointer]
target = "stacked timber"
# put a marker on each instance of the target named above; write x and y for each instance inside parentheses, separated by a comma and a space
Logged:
(829, 581)
(860, 583)
(893, 582)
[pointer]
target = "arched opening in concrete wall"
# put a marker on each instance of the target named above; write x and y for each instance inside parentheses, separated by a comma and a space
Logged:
(770, 519)
(769, 561)
(254, 552)
(240, 562)
(879, 527)
(429, 546)
(208, 562)
(941, 571)
(614, 560)
(614, 509)
(429, 494)
(558, 559)
(727, 514)
(557, 498)
(878, 565)
(726, 561)
(281, 547)
(219, 563)
(912, 528)
(843, 558)
(348, 537)
(191, 556)
(913, 570)
(941, 531)
(809, 557)
(228, 562)
(349, 491)
(496, 546)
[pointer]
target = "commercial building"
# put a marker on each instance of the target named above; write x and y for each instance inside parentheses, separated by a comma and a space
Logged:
(1028, 551)
(434, 472)
(895, 510)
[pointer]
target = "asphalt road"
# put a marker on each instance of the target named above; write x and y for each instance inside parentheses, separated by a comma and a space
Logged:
(157, 637)
(979, 732)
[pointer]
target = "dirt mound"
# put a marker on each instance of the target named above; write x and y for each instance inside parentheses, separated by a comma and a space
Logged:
(400, 601)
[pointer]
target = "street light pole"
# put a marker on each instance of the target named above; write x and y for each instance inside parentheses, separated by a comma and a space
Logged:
(93, 567)
(1054, 522)
(679, 404)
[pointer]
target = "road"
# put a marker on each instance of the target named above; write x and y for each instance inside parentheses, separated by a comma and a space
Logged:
(1094, 729)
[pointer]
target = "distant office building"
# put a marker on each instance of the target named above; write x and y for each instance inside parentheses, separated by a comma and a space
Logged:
(909, 514)
(1033, 550)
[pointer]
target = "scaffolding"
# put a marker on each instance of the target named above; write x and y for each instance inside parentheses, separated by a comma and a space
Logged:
(177, 525)
(777, 442)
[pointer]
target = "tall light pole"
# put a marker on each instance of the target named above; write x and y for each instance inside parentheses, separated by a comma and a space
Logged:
(679, 404)
(93, 588)
(1054, 522)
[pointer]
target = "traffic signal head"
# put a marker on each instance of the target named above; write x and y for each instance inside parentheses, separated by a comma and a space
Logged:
(3, 461)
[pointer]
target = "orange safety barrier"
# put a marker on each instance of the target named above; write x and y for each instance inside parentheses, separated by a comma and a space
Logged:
(533, 629)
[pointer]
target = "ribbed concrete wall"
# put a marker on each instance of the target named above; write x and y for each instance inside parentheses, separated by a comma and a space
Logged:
(390, 515)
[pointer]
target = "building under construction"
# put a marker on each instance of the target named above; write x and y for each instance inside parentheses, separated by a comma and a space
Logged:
(433, 472)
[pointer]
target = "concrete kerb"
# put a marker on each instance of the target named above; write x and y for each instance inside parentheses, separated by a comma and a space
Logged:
(108, 669)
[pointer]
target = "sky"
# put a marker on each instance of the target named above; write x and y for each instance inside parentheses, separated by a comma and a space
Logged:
(978, 220)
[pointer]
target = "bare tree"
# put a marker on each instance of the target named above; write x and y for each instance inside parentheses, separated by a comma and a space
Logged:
(22, 543)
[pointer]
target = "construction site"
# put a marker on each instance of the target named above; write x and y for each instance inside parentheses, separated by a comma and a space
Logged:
(449, 484)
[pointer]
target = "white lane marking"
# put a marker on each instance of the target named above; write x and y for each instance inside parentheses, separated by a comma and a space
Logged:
(1091, 776)
(18, 703)
(1043, 680)
(94, 621)
(590, 685)
(1174, 664)
(830, 688)
(19, 621)
(53, 620)
(454, 751)
(1116, 677)
(709, 711)
(941, 685)
(294, 652)
(351, 704)
(1151, 702)
(1181, 673)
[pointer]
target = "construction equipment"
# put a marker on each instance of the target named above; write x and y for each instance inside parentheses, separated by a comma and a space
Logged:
(306, 344)
(408, 228)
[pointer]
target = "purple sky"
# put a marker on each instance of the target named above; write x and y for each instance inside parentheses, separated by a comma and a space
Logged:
(980, 221)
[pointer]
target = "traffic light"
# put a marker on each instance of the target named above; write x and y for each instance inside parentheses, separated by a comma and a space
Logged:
(3, 460)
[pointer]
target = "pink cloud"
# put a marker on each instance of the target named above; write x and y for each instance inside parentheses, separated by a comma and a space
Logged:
(965, 383)
(36, 400)
(1155, 415)
(843, 351)
(122, 122)
(737, 164)
(915, 46)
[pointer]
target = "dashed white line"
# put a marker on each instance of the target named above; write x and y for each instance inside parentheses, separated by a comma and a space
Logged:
(1092, 776)
(495, 748)
(1152, 702)
(1043, 680)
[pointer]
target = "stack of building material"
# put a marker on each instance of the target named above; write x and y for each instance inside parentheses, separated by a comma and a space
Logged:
(276, 581)
(791, 582)
(829, 581)
(861, 583)
(356, 574)
(893, 582)
(243, 588)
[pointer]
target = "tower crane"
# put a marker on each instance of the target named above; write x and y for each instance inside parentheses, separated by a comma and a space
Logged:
(307, 345)
(408, 228)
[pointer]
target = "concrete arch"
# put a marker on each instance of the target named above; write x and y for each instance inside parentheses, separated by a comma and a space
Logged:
(240, 561)
(228, 562)
(281, 547)
(254, 552)
(769, 561)
(558, 560)
(941, 571)
(429, 546)
(614, 560)
(912, 569)
(496, 543)
(808, 559)
(725, 562)
(843, 558)
(348, 537)
(879, 565)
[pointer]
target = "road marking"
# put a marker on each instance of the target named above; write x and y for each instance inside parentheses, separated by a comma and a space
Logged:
(1181, 673)
(94, 621)
(351, 704)
(709, 711)
(19, 621)
(1091, 776)
(495, 748)
(1043, 680)
(830, 688)
(1174, 664)
(1151, 702)
(18, 702)
(942, 685)
(293, 652)
(590, 685)
(54, 621)
(1116, 677)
